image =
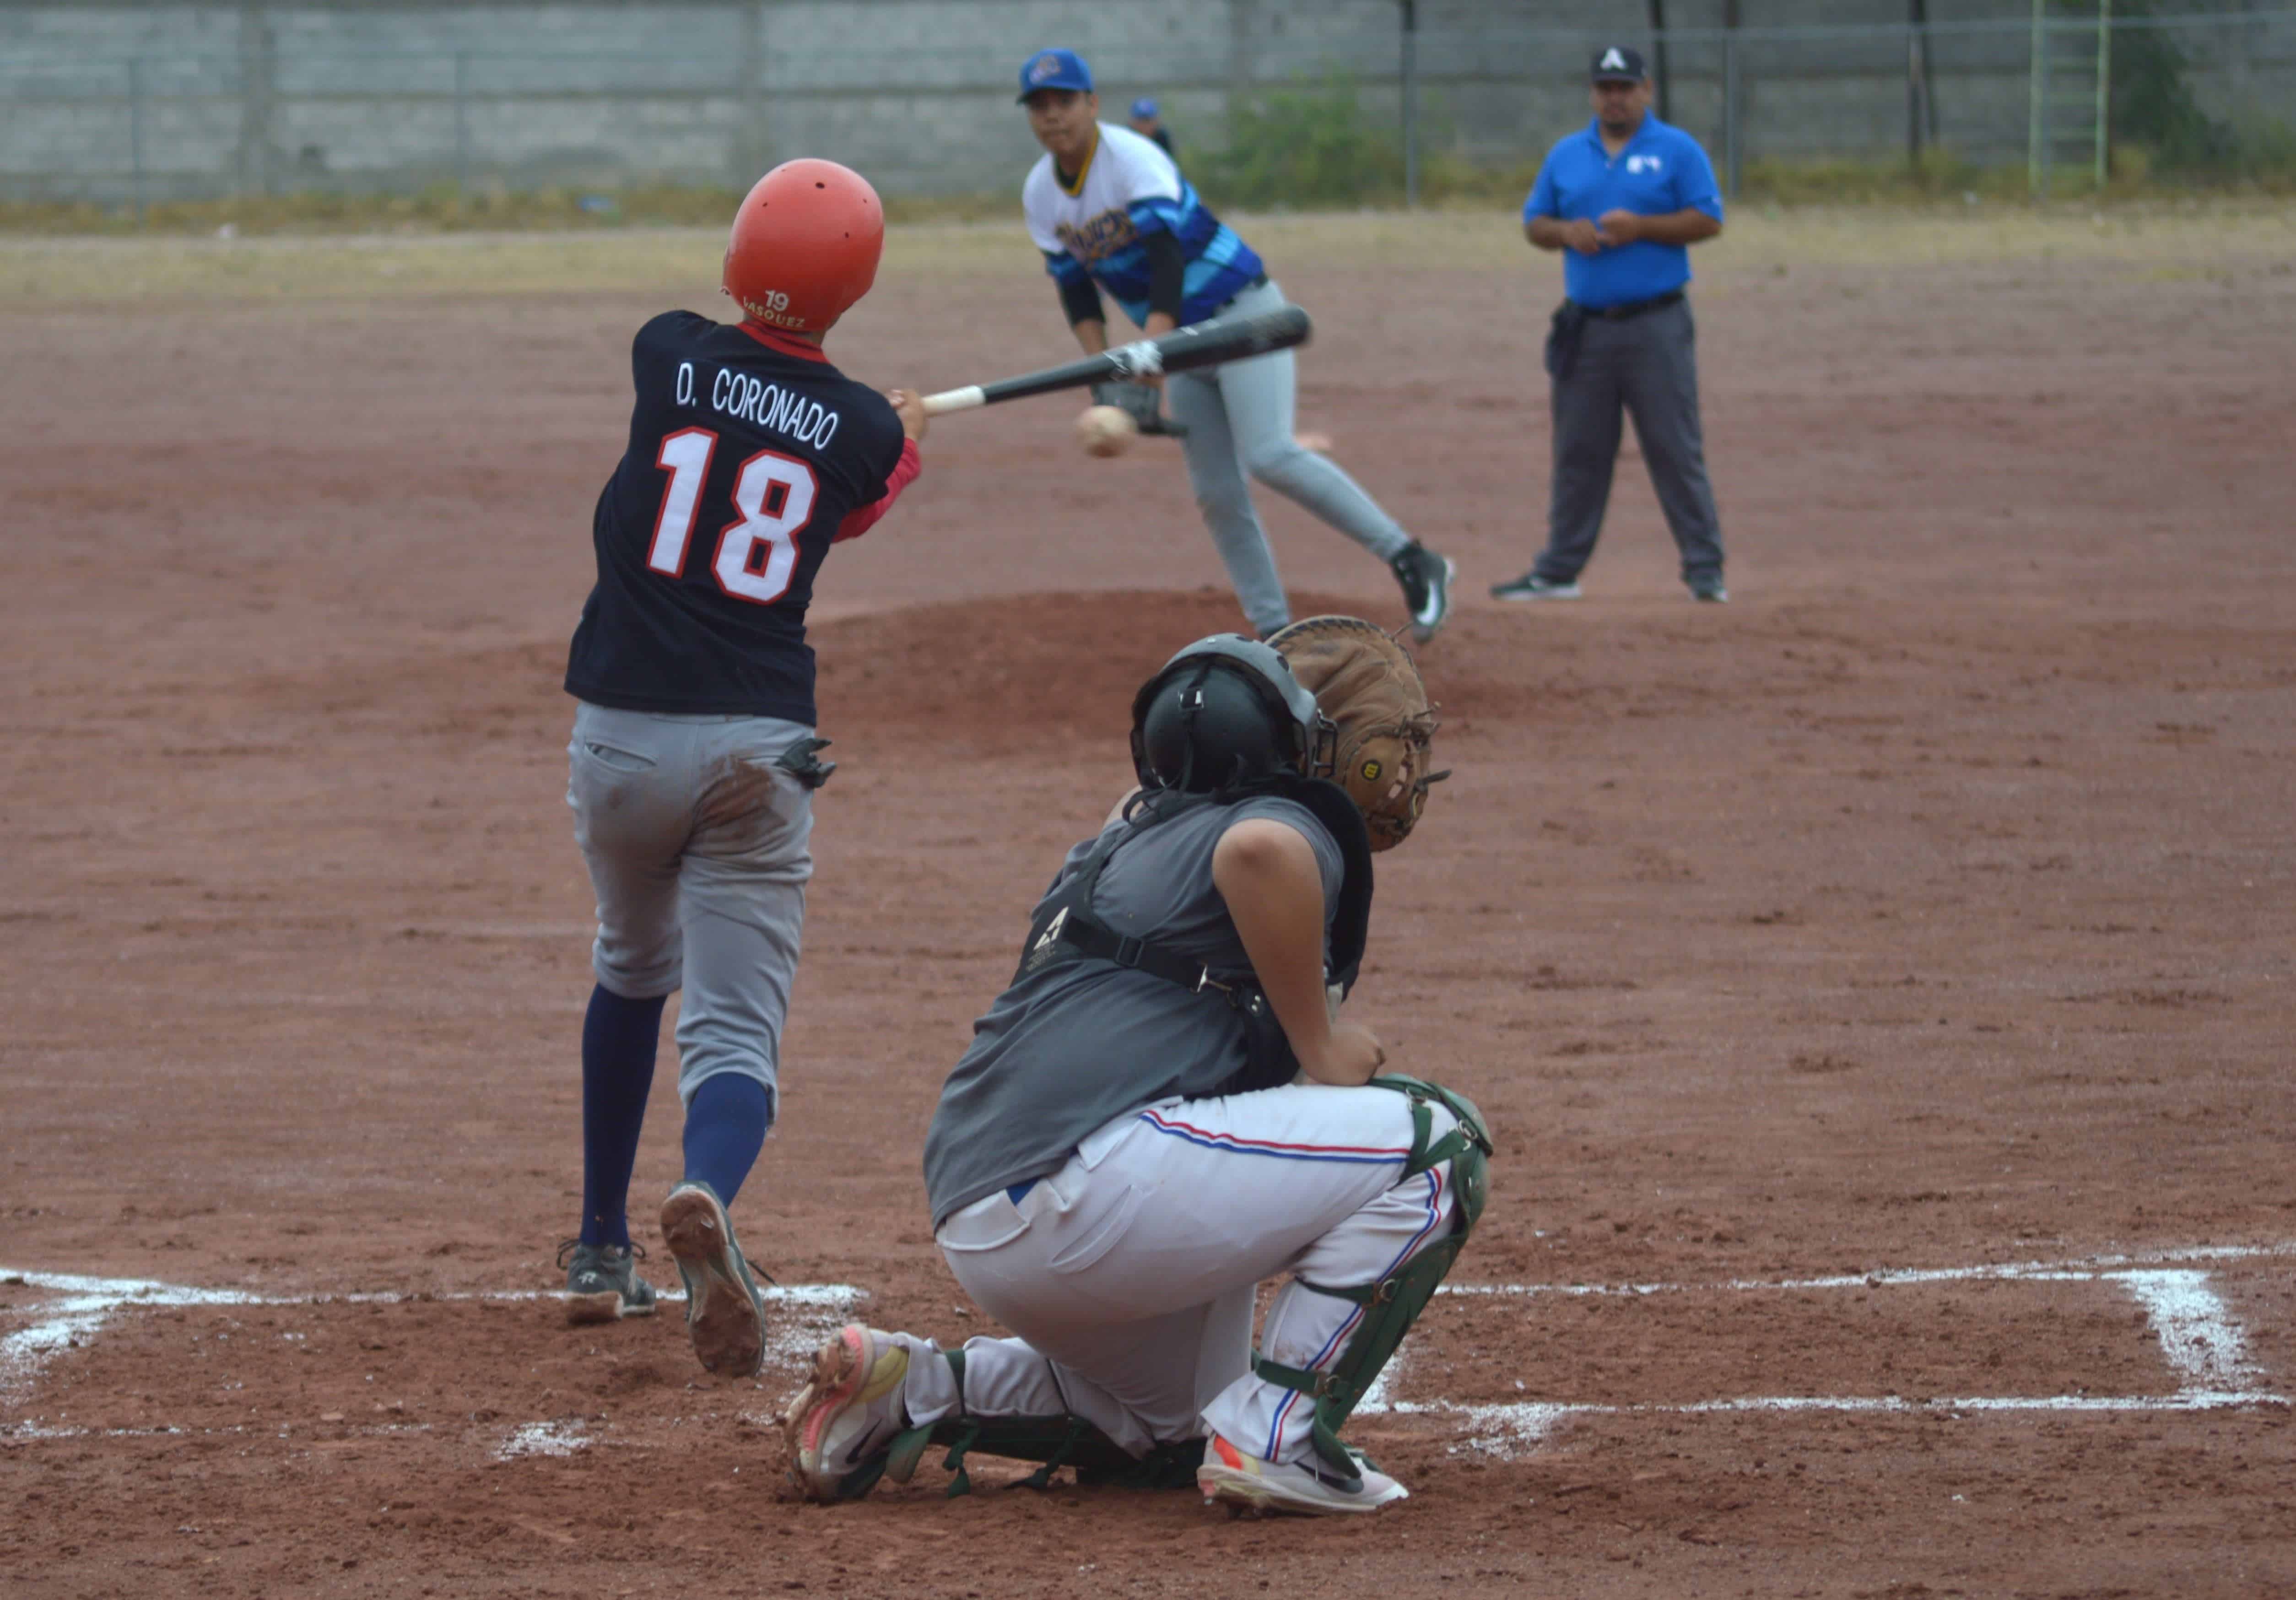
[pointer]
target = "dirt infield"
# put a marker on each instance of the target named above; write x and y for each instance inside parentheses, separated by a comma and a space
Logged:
(1882, 985)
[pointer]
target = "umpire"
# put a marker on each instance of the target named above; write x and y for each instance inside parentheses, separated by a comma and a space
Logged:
(1623, 200)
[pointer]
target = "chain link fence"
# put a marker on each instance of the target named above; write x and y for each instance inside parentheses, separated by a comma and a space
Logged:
(2054, 96)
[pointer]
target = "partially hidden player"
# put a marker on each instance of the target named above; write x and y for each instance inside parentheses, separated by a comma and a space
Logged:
(693, 762)
(1162, 1111)
(1111, 211)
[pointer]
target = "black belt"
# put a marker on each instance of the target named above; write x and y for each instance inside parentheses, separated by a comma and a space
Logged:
(1633, 309)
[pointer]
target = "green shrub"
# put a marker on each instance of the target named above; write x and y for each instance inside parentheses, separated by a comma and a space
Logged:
(1307, 146)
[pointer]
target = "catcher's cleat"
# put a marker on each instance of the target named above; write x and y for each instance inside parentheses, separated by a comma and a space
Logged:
(1426, 579)
(602, 1282)
(1302, 1488)
(843, 1427)
(724, 1312)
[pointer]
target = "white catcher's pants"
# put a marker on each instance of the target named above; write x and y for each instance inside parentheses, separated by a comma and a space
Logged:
(1129, 1274)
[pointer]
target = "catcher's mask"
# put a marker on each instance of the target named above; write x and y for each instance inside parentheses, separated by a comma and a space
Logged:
(1225, 712)
(805, 245)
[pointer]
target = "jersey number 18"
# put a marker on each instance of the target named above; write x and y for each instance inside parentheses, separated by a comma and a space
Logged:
(757, 551)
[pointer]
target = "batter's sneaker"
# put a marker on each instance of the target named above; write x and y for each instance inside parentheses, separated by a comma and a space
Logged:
(724, 1312)
(843, 1425)
(602, 1282)
(1304, 1487)
(1531, 585)
(1426, 579)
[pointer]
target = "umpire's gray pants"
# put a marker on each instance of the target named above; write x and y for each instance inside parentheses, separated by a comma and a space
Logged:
(699, 848)
(1239, 419)
(1646, 367)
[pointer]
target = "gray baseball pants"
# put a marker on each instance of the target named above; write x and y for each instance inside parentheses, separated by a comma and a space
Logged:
(1239, 419)
(699, 850)
(1646, 367)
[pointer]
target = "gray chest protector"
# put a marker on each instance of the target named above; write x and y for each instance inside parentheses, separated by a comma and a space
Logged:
(1065, 927)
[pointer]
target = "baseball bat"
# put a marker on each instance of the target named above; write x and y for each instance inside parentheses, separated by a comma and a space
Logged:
(1206, 344)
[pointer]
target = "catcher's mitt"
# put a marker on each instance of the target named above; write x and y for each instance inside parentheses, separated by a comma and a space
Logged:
(1368, 686)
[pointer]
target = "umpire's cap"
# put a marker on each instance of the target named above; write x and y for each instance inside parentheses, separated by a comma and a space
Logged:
(805, 246)
(1618, 63)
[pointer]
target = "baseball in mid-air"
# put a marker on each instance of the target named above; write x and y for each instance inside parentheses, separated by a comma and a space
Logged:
(1105, 431)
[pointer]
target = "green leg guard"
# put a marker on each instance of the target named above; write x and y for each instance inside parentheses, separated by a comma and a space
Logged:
(1051, 1441)
(1393, 1304)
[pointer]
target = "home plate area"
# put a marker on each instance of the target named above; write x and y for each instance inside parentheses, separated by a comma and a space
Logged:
(1495, 1368)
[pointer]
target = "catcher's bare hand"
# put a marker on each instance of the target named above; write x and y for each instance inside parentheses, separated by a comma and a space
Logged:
(1352, 1056)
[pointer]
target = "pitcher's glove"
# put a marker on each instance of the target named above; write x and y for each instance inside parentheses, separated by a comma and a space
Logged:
(1367, 687)
(1143, 402)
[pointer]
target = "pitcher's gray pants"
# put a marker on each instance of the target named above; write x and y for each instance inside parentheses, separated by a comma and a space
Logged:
(1239, 419)
(699, 850)
(1647, 366)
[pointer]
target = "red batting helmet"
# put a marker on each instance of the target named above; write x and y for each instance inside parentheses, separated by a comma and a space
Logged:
(805, 245)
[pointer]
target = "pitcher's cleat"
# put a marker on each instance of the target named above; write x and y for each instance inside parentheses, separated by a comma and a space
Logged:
(1304, 1487)
(725, 1315)
(843, 1427)
(1426, 579)
(602, 1282)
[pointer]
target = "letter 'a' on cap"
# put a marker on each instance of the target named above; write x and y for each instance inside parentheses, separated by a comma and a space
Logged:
(1618, 63)
(1054, 70)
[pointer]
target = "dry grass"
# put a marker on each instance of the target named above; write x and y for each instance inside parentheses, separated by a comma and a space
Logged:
(2176, 238)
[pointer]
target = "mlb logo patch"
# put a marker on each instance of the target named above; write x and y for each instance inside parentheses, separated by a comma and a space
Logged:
(1637, 164)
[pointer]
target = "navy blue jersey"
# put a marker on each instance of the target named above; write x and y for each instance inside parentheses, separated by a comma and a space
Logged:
(749, 454)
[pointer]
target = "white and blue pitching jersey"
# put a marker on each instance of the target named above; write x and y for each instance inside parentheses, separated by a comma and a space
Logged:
(1131, 188)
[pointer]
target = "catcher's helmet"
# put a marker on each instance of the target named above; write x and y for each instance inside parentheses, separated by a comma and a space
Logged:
(805, 245)
(1223, 713)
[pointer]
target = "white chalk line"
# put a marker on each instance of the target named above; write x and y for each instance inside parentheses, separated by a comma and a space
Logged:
(2082, 1267)
(83, 1305)
(2200, 1341)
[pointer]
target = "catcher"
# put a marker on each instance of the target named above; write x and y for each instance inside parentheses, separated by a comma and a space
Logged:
(1162, 1111)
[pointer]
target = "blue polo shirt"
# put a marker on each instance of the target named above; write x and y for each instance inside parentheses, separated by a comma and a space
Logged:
(1660, 170)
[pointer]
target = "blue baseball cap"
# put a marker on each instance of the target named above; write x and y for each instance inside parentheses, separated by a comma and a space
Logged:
(1144, 108)
(1055, 70)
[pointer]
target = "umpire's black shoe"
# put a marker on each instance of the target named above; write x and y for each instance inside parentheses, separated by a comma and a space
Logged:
(602, 1282)
(1531, 585)
(1426, 579)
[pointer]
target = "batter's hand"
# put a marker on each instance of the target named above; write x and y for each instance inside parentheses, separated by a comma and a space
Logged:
(1583, 236)
(1618, 228)
(911, 406)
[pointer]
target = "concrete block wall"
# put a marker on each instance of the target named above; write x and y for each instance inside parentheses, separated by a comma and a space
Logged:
(395, 93)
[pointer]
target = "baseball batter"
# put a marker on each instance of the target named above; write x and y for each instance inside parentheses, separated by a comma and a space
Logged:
(693, 761)
(1162, 1111)
(1111, 212)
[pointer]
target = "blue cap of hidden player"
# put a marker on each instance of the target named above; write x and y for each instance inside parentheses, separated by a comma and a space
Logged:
(1144, 108)
(1055, 70)
(1618, 63)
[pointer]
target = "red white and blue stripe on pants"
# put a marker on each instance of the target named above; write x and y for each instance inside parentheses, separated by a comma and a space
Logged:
(1352, 1155)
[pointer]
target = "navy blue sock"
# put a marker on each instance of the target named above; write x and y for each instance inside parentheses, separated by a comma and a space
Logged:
(619, 1038)
(725, 1124)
